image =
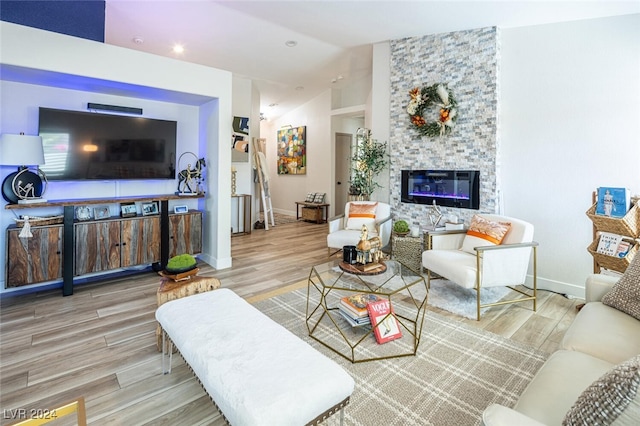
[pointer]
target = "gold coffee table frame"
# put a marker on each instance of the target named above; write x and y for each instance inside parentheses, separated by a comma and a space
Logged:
(405, 289)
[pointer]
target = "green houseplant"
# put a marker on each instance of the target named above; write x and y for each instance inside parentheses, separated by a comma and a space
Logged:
(369, 160)
(401, 227)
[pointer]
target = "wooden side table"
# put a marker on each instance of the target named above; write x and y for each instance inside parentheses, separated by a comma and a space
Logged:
(408, 251)
(315, 212)
(172, 290)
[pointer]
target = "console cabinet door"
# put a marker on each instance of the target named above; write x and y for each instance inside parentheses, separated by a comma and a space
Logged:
(185, 233)
(35, 259)
(97, 246)
(140, 241)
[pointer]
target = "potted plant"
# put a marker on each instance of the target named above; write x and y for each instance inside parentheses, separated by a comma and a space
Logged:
(369, 160)
(401, 227)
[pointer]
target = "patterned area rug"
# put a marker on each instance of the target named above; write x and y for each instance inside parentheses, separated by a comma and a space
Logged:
(458, 371)
(462, 301)
(279, 218)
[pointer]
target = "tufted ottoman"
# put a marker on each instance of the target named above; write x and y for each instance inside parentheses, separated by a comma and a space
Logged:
(256, 371)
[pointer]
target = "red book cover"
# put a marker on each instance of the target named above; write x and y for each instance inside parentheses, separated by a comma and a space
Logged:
(385, 324)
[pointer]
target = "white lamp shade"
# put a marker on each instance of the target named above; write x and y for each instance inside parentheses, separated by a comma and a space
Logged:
(21, 150)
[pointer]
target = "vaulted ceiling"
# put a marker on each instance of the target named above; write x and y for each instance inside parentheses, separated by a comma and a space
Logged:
(333, 39)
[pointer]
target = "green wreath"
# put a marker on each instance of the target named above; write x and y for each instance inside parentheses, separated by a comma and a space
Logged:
(423, 102)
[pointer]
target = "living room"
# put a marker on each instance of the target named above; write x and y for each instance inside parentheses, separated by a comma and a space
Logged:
(562, 121)
(532, 150)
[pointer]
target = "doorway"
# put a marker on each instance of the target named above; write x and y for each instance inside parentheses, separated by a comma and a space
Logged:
(342, 170)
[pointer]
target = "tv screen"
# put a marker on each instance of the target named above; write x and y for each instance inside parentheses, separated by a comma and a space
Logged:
(92, 146)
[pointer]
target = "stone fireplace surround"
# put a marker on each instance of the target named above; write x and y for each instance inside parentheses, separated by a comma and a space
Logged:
(468, 62)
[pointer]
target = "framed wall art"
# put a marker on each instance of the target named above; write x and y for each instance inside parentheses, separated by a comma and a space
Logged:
(240, 140)
(292, 151)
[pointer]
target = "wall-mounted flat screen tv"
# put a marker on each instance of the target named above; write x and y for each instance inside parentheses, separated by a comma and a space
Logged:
(449, 188)
(92, 146)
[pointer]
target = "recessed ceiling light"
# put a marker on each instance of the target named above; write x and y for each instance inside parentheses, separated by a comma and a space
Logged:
(138, 40)
(272, 105)
(299, 88)
(291, 43)
(178, 48)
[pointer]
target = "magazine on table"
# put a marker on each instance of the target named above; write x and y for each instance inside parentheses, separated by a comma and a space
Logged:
(384, 322)
(613, 202)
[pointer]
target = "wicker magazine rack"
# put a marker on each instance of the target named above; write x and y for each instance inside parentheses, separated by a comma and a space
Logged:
(628, 226)
(612, 262)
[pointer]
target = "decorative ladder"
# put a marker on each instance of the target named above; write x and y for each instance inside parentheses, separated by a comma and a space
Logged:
(263, 179)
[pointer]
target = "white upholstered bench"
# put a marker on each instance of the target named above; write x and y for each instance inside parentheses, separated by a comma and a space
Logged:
(256, 371)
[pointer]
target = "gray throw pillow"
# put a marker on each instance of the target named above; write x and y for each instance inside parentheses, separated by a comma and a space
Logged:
(615, 395)
(625, 294)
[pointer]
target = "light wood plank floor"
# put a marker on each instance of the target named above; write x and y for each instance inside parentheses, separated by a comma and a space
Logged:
(100, 343)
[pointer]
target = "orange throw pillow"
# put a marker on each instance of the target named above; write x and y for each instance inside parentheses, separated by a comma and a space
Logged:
(484, 232)
(362, 214)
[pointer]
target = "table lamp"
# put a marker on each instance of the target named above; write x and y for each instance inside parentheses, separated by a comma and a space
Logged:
(23, 186)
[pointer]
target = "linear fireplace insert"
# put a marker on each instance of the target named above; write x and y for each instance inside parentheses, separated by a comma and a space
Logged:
(448, 188)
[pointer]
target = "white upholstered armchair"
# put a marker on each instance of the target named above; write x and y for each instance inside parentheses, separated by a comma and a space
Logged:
(494, 251)
(344, 229)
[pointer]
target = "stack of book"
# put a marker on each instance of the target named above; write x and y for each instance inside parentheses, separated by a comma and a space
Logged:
(354, 308)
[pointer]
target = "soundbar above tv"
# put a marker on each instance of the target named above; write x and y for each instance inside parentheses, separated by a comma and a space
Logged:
(82, 145)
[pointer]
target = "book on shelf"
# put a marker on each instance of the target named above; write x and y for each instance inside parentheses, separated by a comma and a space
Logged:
(614, 245)
(623, 248)
(608, 243)
(384, 322)
(613, 202)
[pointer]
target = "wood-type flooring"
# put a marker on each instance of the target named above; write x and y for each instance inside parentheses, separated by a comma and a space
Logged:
(100, 343)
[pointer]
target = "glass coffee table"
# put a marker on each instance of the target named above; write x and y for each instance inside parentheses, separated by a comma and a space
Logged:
(405, 289)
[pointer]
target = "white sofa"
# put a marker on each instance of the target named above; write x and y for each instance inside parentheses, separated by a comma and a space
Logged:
(600, 338)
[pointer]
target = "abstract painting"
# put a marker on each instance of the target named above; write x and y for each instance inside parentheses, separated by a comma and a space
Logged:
(292, 150)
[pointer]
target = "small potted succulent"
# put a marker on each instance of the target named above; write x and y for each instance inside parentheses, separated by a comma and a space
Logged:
(401, 227)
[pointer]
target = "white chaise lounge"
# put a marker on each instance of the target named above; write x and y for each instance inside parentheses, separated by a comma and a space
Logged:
(255, 371)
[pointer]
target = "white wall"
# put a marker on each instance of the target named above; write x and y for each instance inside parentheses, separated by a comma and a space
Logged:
(287, 189)
(570, 122)
(199, 97)
(246, 103)
(378, 119)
